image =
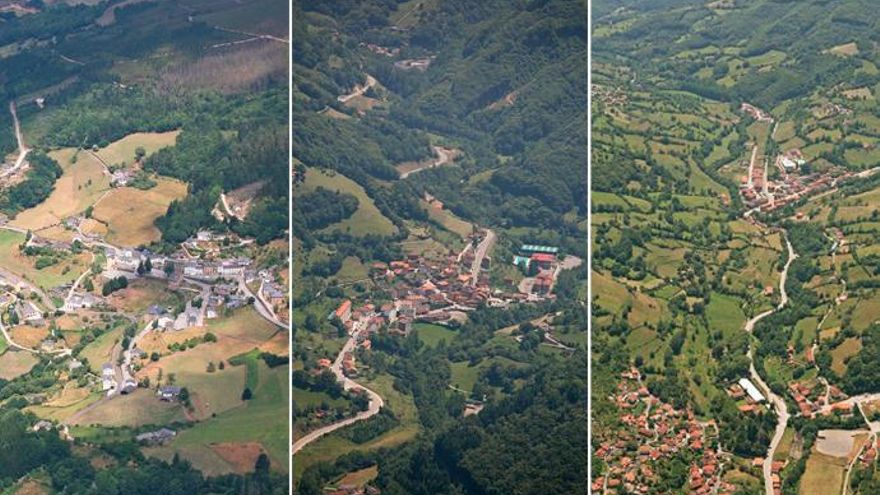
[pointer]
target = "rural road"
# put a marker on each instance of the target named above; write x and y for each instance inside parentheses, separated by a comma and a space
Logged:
(22, 149)
(444, 156)
(376, 401)
(479, 254)
(778, 402)
(77, 282)
(261, 306)
(358, 90)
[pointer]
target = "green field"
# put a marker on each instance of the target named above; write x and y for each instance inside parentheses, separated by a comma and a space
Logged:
(366, 220)
(432, 334)
(264, 419)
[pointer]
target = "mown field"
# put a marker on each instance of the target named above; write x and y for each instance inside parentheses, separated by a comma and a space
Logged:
(129, 213)
(366, 220)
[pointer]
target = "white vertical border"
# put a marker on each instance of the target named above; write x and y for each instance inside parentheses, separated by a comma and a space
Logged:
(589, 246)
(290, 248)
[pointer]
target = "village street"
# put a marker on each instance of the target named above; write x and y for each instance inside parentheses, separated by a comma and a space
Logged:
(376, 402)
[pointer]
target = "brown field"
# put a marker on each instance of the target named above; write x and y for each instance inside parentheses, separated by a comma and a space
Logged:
(359, 478)
(31, 487)
(57, 233)
(136, 409)
(92, 226)
(99, 351)
(129, 213)
(16, 363)
(122, 151)
(362, 103)
(845, 50)
(822, 473)
(69, 395)
(159, 341)
(62, 412)
(141, 294)
(81, 184)
(29, 336)
(240, 455)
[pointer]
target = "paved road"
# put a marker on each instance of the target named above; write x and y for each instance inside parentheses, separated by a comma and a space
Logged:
(376, 402)
(261, 305)
(444, 156)
(479, 254)
(752, 166)
(777, 402)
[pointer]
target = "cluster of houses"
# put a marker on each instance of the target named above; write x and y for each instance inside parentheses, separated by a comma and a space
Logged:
(211, 243)
(653, 431)
(28, 313)
(210, 271)
(769, 195)
(811, 401)
(756, 113)
(611, 97)
(380, 50)
(747, 395)
(111, 386)
(157, 437)
(869, 454)
(420, 64)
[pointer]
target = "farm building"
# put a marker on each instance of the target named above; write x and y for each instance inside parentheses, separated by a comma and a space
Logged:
(168, 393)
(529, 249)
(156, 437)
(751, 389)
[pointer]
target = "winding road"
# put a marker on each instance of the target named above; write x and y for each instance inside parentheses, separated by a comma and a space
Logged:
(358, 90)
(778, 402)
(444, 156)
(376, 401)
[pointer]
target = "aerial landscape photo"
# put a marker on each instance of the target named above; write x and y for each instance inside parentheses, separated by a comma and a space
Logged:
(439, 226)
(735, 277)
(144, 191)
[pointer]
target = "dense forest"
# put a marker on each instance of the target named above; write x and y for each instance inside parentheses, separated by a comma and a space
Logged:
(532, 147)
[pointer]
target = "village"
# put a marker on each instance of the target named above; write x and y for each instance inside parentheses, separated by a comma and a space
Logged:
(795, 178)
(442, 291)
(651, 432)
(203, 266)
